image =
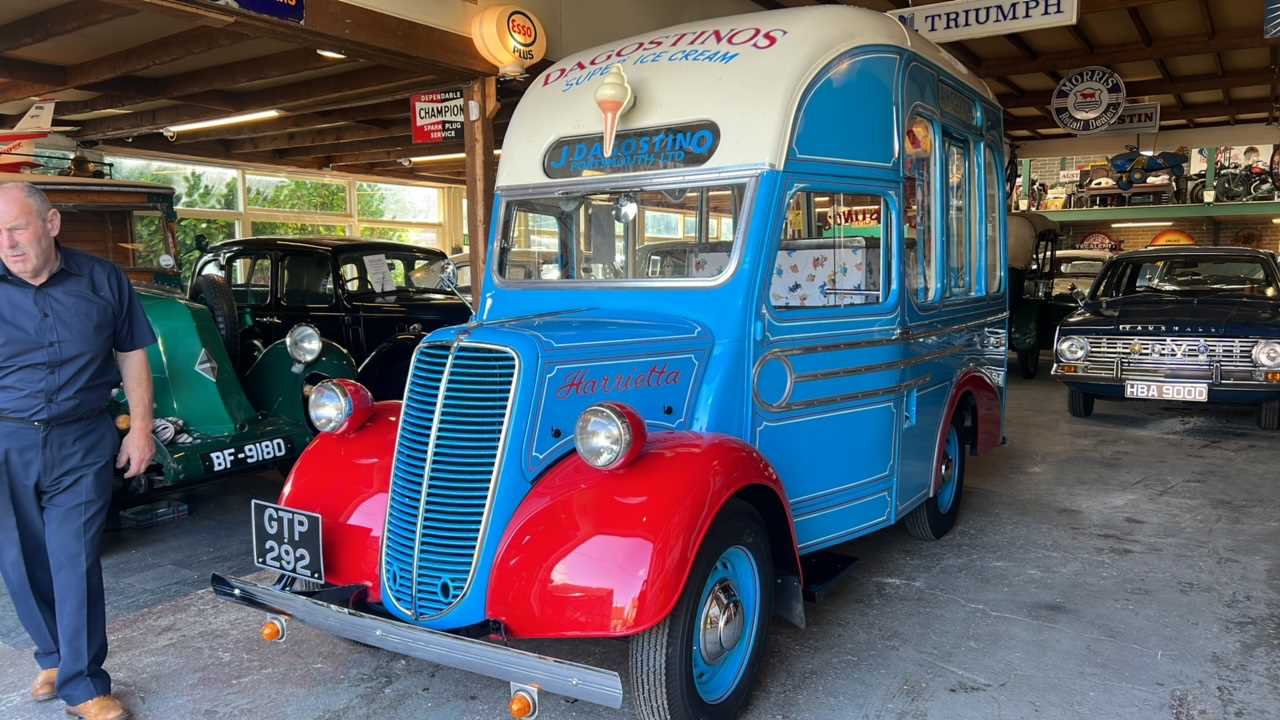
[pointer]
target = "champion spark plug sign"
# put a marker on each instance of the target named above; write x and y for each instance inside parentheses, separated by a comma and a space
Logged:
(437, 116)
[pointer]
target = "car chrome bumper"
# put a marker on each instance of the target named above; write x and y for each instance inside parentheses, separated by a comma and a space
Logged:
(583, 682)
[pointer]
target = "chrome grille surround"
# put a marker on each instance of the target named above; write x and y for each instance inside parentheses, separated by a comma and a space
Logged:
(1149, 357)
(453, 431)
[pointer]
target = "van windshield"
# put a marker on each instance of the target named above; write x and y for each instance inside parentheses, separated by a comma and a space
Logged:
(685, 233)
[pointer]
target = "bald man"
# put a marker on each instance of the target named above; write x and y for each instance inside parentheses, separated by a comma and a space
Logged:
(71, 330)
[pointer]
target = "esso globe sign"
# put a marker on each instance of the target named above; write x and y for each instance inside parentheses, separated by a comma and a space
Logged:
(510, 37)
(1088, 100)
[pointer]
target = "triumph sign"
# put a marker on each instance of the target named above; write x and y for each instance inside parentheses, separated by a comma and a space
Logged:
(1088, 100)
(964, 19)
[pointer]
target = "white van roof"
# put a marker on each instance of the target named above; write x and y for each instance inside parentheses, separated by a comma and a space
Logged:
(746, 73)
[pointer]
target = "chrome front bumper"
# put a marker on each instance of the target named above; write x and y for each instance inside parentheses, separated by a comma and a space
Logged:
(583, 682)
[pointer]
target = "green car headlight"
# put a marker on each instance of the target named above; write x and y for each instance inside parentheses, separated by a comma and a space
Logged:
(304, 343)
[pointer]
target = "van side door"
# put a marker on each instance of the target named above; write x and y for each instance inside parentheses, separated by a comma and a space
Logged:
(826, 396)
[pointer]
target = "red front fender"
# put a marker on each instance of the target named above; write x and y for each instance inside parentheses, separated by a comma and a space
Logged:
(592, 553)
(344, 478)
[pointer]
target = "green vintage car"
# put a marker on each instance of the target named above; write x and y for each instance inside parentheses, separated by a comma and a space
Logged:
(213, 418)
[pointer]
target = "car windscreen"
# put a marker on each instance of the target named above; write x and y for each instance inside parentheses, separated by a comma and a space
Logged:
(675, 234)
(389, 272)
(1189, 275)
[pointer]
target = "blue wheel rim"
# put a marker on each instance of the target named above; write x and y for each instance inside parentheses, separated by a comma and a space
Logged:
(716, 679)
(950, 483)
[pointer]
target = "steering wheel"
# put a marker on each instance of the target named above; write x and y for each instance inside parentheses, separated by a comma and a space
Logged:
(361, 284)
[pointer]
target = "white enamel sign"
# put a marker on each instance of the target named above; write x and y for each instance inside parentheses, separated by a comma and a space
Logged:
(964, 19)
(1137, 118)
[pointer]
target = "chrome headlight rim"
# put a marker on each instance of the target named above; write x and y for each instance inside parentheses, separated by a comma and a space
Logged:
(1257, 354)
(346, 407)
(1073, 348)
(304, 350)
(609, 413)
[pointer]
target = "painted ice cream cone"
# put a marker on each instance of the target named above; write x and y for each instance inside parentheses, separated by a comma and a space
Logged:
(613, 97)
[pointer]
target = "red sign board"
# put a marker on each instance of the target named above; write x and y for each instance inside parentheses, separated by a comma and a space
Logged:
(437, 116)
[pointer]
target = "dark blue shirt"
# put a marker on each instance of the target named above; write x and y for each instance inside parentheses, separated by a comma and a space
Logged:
(58, 340)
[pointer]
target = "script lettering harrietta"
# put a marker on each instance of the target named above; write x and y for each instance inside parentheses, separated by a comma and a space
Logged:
(581, 383)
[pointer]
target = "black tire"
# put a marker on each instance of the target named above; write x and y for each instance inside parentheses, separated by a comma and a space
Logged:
(930, 520)
(661, 667)
(215, 293)
(1269, 415)
(1079, 404)
(1029, 363)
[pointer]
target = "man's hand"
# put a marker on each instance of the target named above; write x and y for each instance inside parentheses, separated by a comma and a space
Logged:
(136, 451)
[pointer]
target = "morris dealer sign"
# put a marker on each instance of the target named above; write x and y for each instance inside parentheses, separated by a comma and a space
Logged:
(1088, 100)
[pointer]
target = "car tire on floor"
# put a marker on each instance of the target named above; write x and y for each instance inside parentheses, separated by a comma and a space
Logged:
(1080, 404)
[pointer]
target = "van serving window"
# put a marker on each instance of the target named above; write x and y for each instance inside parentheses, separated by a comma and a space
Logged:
(831, 251)
(959, 244)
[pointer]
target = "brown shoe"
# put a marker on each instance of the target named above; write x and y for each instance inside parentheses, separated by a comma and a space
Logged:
(45, 687)
(105, 707)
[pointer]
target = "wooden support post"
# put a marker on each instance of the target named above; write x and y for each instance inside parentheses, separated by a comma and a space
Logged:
(1210, 173)
(1026, 184)
(481, 98)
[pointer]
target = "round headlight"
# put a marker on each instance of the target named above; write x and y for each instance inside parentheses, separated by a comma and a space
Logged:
(1267, 354)
(609, 435)
(1073, 349)
(304, 343)
(330, 406)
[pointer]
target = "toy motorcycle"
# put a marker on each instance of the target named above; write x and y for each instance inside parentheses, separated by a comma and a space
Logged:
(1133, 167)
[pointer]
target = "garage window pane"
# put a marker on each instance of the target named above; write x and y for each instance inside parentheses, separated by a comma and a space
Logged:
(261, 227)
(197, 186)
(279, 193)
(148, 235)
(403, 203)
(422, 237)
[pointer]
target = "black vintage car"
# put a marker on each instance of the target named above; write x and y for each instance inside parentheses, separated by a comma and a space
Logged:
(376, 299)
(1193, 324)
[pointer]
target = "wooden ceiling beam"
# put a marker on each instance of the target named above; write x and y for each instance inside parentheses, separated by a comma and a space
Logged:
(306, 96)
(400, 140)
(58, 21)
(1144, 34)
(1189, 112)
(355, 31)
(230, 75)
(1146, 88)
(305, 138)
(125, 62)
(1198, 44)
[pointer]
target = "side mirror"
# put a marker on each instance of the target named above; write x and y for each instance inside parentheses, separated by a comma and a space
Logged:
(1078, 294)
(442, 273)
(201, 242)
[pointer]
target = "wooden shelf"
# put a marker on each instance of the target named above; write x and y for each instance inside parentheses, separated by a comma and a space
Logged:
(1165, 212)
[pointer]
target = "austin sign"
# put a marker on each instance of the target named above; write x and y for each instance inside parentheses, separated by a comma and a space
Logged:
(1137, 118)
(964, 19)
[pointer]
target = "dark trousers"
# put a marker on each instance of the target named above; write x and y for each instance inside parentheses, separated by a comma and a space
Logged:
(55, 489)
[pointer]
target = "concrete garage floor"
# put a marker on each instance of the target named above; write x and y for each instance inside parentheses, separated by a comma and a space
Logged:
(1124, 566)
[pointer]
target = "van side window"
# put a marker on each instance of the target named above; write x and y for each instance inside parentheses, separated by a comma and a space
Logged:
(830, 255)
(918, 235)
(991, 225)
(959, 244)
(251, 279)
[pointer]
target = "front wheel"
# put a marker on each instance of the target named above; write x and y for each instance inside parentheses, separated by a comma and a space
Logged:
(935, 517)
(699, 663)
(1079, 404)
(1269, 415)
(1029, 363)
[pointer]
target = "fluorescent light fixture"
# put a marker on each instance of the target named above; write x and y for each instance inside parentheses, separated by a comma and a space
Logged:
(444, 156)
(1275, 221)
(331, 54)
(222, 122)
(1141, 224)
